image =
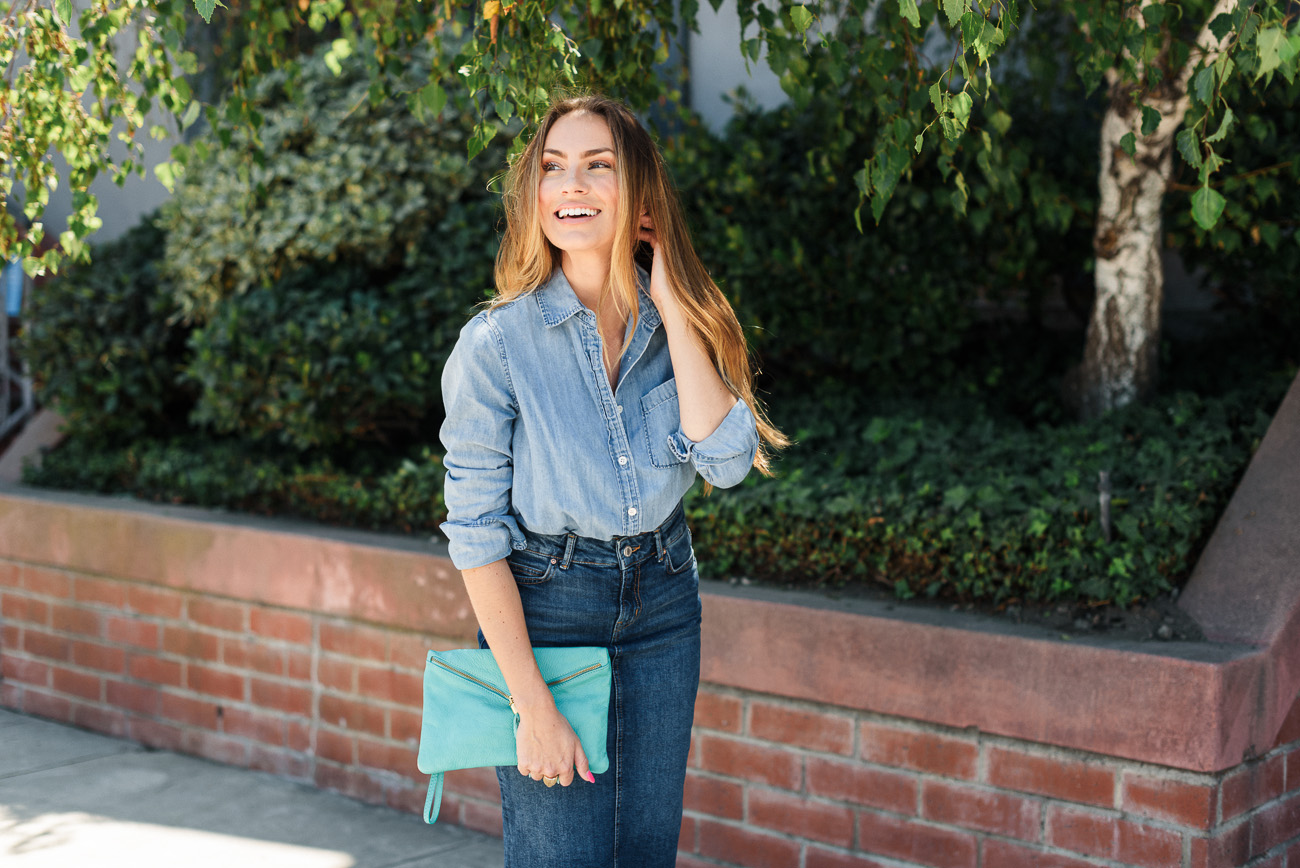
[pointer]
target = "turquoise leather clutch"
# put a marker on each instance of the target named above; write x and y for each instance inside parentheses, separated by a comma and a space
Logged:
(468, 721)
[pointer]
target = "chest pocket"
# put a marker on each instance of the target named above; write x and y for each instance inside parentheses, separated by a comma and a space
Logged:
(661, 417)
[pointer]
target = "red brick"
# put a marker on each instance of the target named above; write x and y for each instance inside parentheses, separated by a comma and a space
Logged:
(105, 593)
(297, 734)
(765, 765)
(1063, 779)
(15, 607)
(109, 721)
(214, 746)
(816, 857)
(1004, 854)
(155, 670)
(131, 631)
(25, 670)
(982, 810)
(42, 704)
(75, 619)
(716, 711)
(871, 787)
(830, 733)
(1148, 846)
(289, 698)
(11, 695)
(351, 640)
(219, 614)
(254, 725)
(136, 698)
(76, 683)
(156, 734)
(797, 815)
(158, 602)
(1253, 784)
(183, 709)
(1293, 771)
(336, 747)
(278, 762)
(1092, 834)
(351, 714)
(41, 644)
(478, 783)
(337, 673)
(411, 651)
(1174, 801)
(280, 625)
(386, 756)
(920, 751)
(388, 685)
(883, 835)
(254, 654)
(47, 583)
(214, 682)
(357, 783)
(10, 636)
(9, 577)
(744, 846)
(105, 658)
(481, 818)
(686, 837)
(719, 798)
(298, 665)
(189, 643)
(1271, 826)
(1229, 848)
(404, 725)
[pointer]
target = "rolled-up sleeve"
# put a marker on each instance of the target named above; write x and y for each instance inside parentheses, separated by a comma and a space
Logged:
(725, 456)
(481, 410)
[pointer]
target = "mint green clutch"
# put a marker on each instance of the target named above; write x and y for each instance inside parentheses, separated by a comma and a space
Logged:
(468, 721)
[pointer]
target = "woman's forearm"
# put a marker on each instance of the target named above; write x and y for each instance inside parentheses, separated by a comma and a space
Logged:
(495, 597)
(703, 399)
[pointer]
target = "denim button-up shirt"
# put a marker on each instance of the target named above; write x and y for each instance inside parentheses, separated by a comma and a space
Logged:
(535, 436)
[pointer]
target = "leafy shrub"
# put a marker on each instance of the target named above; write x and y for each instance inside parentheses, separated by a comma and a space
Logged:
(104, 343)
(339, 180)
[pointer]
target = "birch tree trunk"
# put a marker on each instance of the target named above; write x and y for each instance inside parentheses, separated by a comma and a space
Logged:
(1121, 354)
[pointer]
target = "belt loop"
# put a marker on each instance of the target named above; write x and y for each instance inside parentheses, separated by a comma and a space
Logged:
(569, 546)
(660, 549)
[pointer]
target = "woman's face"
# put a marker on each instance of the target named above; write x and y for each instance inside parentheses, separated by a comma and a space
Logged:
(577, 197)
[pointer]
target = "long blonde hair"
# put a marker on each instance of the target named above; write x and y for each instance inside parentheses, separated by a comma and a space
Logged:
(527, 259)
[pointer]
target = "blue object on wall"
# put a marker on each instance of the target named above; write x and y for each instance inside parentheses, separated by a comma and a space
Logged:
(13, 286)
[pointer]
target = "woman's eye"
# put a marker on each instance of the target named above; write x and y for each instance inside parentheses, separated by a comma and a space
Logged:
(550, 166)
(600, 164)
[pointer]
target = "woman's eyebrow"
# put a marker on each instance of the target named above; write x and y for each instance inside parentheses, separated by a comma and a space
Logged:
(593, 152)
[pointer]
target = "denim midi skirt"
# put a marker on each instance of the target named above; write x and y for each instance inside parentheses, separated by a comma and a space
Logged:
(639, 597)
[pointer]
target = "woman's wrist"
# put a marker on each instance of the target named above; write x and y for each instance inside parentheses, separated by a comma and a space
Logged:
(533, 699)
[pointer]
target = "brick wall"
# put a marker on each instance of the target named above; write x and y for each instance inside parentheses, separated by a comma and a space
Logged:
(772, 781)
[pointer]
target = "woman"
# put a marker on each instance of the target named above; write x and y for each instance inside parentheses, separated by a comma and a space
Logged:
(580, 407)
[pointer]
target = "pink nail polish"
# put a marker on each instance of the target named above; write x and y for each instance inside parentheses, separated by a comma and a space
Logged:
(591, 779)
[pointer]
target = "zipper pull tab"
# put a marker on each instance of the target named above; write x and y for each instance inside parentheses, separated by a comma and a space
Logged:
(515, 710)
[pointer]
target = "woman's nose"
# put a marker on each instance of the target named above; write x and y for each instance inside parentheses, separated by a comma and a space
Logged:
(574, 182)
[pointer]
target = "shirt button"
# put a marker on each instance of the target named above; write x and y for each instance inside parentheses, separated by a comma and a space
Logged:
(631, 510)
(622, 459)
(620, 409)
(627, 551)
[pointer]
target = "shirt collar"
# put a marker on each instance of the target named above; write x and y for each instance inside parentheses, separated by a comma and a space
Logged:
(557, 301)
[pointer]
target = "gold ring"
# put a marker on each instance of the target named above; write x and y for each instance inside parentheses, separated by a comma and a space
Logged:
(550, 781)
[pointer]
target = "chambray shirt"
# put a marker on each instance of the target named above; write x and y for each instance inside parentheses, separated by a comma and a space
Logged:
(535, 436)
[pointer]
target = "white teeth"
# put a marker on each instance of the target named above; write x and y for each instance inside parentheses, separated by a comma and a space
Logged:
(577, 212)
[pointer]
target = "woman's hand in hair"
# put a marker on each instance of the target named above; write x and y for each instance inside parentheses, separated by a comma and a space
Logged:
(660, 293)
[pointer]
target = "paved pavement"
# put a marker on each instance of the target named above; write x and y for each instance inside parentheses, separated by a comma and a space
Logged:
(74, 799)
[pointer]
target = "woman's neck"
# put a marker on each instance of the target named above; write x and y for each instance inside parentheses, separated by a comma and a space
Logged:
(587, 272)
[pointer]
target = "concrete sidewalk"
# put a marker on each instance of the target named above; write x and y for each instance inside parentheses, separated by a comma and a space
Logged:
(73, 798)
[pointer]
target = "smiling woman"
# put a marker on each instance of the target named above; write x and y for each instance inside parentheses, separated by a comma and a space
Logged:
(608, 372)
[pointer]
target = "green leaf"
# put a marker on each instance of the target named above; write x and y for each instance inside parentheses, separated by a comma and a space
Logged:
(63, 9)
(433, 97)
(801, 18)
(1207, 205)
(954, 9)
(191, 114)
(1150, 120)
(204, 8)
(1270, 45)
(1001, 121)
(1224, 126)
(1203, 84)
(1128, 144)
(961, 106)
(907, 8)
(936, 97)
(166, 176)
(1189, 148)
(1222, 25)
(920, 140)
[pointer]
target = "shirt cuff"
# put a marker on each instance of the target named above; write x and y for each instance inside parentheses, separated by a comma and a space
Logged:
(481, 542)
(735, 437)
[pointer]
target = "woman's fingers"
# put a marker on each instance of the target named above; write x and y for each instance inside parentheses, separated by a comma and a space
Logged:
(580, 765)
